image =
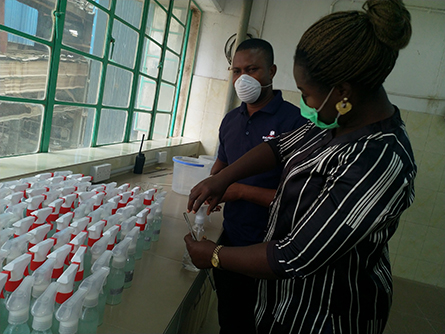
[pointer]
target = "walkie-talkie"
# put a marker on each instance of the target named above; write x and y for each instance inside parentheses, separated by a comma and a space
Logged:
(140, 159)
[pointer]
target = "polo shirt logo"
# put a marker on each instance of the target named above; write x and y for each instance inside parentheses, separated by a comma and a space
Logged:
(270, 136)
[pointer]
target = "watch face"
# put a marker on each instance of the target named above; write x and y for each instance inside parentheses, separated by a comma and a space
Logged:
(215, 262)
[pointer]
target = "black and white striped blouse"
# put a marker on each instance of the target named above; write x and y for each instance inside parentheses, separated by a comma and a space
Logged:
(338, 204)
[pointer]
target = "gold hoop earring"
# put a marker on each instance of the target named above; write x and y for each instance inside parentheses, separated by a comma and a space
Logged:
(343, 106)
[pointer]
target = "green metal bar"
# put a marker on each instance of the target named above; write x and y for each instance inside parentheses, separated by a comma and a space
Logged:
(181, 72)
(25, 35)
(137, 66)
(59, 15)
(100, 96)
(98, 5)
(161, 69)
(21, 100)
(191, 76)
(81, 53)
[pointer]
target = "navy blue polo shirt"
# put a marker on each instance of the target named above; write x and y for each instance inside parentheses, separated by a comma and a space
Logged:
(244, 222)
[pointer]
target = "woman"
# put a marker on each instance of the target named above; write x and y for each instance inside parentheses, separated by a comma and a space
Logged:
(348, 176)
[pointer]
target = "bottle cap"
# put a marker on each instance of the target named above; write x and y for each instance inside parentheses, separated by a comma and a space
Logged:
(23, 225)
(56, 204)
(15, 198)
(78, 259)
(80, 225)
(149, 196)
(120, 253)
(126, 211)
(99, 247)
(70, 311)
(16, 246)
(56, 179)
(44, 176)
(123, 187)
(68, 203)
(78, 241)
(112, 231)
(60, 255)
(66, 283)
(5, 235)
(112, 220)
(34, 203)
(95, 232)
(102, 261)
(125, 196)
(43, 309)
(51, 196)
(74, 176)
(39, 234)
(42, 277)
(94, 284)
(127, 225)
(40, 251)
(98, 199)
(133, 235)
(18, 302)
(97, 215)
(41, 216)
(63, 221)
(15, 270)
(62, 237)
(142, 218)
(67, 190)
(33, 192)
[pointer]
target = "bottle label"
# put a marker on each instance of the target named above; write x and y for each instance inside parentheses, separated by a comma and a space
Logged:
(115, 292)
(129, 276)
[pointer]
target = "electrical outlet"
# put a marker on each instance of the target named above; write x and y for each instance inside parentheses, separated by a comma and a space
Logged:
(161, 157)
(100, 172)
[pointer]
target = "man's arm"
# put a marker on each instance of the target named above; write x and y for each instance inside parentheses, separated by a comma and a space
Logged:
(258, 160)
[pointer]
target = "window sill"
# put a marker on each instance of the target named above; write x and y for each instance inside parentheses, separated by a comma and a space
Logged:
(80, 160)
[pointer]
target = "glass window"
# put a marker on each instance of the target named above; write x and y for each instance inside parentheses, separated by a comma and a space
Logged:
(117, 87)
(152, 56)
(71, 127)
(141, 125)
(171, 67)
(157, 20)
(20, 127)
(130, 11)
(111, 126)
(166, 96)
(146, 94)
(85, 29)
(73, 78)
(125, 44)
(24, 66)
(175, 36)
(180, 10)
(162, 125)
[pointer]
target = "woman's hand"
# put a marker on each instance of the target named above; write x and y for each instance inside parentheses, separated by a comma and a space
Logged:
(210, 191)
(200, 251)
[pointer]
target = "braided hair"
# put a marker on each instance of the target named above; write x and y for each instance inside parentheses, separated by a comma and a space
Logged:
(355, 46)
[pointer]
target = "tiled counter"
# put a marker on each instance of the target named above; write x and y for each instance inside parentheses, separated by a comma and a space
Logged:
(162, 291)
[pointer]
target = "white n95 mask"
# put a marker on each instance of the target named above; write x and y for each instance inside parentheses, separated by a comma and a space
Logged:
(248, 88)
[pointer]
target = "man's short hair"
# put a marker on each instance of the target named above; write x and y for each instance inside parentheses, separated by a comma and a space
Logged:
(261, 44)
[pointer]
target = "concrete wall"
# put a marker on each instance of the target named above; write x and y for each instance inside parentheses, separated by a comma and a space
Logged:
(416, 85)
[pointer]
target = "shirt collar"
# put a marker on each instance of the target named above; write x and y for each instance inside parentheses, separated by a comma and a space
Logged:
(271, 107)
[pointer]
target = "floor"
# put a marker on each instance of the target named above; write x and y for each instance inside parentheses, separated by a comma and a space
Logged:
(417, 309)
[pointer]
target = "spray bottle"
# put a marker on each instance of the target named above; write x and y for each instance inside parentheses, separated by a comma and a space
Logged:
(5, 235)
(98, 199)
(99, 248)
(67, 190)
(68, 203)
(198, 229)
(64, 291)
(15, 198)
(59, 255)
(40, 252)
(102, 261)
(16, 247)
(123, 188)
(148, 232)
(51, 196)
(141, 222)
(130, 263)
(62, 237)
(63, 221)
(18, 307)
(114, 200)
(79, 225)
(13, 214)
(69, 313)
(96, 215)
(22, 226)
(157, 220)
(55, 205)
(113, 235)
(89, 319)
(94, 234)
(127, 211)
(15, 271)
(41, 216)
(3, 309)
(43, 309)
(34, 203)
(36, 191)
(39, 234)
(116, 278)
(78, 241)
(112, 221)
(78, 259)
(126, 226)
(125, 196)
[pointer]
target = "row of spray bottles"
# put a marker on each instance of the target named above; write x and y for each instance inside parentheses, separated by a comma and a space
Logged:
(64, 296)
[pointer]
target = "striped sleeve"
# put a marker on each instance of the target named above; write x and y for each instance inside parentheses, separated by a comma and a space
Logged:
(365, 189)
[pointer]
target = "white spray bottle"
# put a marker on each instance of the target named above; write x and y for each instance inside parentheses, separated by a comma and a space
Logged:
(116, 279)
(18, 307)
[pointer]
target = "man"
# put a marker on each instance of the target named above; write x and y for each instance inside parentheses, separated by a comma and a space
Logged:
(262, 115)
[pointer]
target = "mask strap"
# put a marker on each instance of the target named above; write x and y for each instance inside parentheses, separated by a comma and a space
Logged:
(267, 85)
(325, 100)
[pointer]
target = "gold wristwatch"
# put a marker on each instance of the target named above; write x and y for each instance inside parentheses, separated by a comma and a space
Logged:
(215, 258)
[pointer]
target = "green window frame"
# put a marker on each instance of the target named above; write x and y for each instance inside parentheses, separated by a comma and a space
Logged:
(91, 94)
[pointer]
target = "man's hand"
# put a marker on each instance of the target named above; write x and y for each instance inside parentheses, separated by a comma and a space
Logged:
(200, 251)
(208, 191)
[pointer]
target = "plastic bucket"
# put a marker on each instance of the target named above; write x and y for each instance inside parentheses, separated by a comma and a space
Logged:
(187, 172)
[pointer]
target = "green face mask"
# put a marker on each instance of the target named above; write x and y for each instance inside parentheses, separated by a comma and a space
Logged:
(312, 114)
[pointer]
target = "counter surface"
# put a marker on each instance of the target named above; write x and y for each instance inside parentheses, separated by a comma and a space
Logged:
(160, 283)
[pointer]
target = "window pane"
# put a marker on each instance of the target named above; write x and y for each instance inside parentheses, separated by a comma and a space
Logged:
(146, 94)
(31, 18)
(150, 60)
(141, 125)
(20, 127)
(162, 125)
(105, 3)
(126, 40)
(171, 67)
(111, 126)
(71, 127)
(130, 11)
(117, 87)
(157, 19)
(23, 67)
(180, 9)
(85, 29)
(175, 35)
(166, 96)
(73, 79)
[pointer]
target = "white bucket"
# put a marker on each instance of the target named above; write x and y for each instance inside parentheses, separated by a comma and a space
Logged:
(187, 172)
